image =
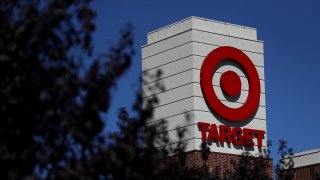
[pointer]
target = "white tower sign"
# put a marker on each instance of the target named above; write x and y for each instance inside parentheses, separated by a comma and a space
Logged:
(213, 72)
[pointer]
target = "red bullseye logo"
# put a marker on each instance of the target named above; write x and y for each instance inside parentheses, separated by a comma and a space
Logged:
(230, 83)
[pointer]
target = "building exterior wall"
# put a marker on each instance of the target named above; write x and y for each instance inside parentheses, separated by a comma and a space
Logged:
(303, 165)
(310, 172)
(178, 50)
(226, 166)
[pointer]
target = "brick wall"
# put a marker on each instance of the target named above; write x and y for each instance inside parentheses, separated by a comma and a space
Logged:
(226, 166)
(303, 173)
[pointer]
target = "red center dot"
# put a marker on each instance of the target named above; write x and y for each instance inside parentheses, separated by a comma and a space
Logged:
(230, 83)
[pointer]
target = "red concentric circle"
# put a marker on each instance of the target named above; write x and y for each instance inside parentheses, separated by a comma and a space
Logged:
(230, 83)
(207, 70)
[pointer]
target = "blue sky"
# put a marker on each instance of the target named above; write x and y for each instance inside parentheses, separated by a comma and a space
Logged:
(291, 34)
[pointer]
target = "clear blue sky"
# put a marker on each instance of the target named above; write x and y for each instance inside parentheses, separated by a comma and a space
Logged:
(290, 30)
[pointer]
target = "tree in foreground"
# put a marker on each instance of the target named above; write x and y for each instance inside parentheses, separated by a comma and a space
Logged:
(52, 88)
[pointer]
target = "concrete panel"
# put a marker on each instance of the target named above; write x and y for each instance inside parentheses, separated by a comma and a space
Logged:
(225, 66)
(200, 104)
(174, 122)
(175, 29)
(193, 117)
(169, 69)
(236, 31)
(183, 50)
(196, 63)
(191, 48)
(194, 89)
(203, 25)
(222, 40)
(231, 149)
(254, 47)
(209, 26)
(164, 33)
(208, 117)
(309, 159)
(189, 104)
(188, 134)
(172, 109)
(195, 144)
(224, 28)
(167, 56)
(152, 37)
(250, 33)
(161, 46)
(189, 145)
(187, 77)
(232, 66)
(203, 50)
(170, 82)
(174, 95)
(305, 158)
(170, 30)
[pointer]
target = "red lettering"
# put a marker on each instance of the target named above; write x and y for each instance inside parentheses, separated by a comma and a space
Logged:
(213, 133)
(259, 137)
(227, 134)
(237, 136)
(225, 131)
(204, 128)
(248, 137)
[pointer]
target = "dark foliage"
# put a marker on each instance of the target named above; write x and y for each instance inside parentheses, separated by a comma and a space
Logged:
(283, 168)
(51, 95)
(251, 168)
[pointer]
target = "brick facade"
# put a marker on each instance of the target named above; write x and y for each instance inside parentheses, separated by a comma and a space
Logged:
(302, 173)
(225, 166)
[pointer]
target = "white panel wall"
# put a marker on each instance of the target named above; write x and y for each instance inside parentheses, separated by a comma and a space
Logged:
(305, 158)
(178, 51)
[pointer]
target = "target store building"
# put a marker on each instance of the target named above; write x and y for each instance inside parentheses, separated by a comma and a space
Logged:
(213, 73)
